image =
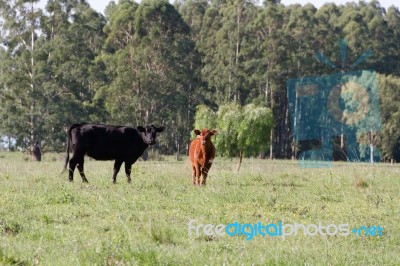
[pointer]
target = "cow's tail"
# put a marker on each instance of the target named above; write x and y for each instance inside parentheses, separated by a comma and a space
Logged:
(67, 151)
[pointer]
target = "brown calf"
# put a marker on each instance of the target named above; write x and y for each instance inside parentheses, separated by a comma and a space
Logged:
(201, 154)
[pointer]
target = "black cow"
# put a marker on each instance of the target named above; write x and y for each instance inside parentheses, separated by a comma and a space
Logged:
(101, 142)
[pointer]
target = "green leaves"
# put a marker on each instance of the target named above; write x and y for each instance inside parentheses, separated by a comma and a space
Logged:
(228, 121)
(152, 67)
(205, 117)
(47, 69)
(150, 63)
(254, 129)
(240, 128)
(389, 135)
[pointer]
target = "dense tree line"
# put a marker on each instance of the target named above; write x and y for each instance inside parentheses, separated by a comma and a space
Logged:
(154, 62)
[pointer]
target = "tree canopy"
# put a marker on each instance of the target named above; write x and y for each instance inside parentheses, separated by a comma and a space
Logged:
(155, 62)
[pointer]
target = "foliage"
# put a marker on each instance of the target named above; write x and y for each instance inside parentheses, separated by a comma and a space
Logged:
(254, 129)
(205, 117)
(47, 72)
(239, 128)
(389, 135)
(228, 119)
(153, 62)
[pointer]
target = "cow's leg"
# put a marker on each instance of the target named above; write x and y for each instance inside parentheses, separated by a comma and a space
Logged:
(81, 172)
(128, 168)
(71, 168)
(76, 160)
(117, 166)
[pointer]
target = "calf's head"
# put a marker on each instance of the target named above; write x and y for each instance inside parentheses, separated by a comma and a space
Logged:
(205, 135)
(149, 133)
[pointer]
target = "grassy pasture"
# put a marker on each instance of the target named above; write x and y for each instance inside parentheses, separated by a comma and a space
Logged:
(46, 220)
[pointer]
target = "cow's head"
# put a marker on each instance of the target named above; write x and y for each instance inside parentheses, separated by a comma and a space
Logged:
(205, 135)
(149, 133)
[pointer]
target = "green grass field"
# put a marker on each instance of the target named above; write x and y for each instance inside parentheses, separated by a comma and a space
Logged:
(46, 220)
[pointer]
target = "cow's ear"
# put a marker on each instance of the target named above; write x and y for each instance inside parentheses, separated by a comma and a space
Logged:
(197, 132)
(214, 131)
(160, 129)
(141, 129)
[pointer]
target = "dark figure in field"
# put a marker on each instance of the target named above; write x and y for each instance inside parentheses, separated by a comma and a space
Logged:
(201, 154)
(101, 142)
(36, 152)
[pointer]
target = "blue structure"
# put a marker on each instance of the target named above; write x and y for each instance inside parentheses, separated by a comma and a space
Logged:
(323, 108)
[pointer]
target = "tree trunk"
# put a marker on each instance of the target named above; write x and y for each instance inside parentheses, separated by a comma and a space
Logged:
(372, 140)
(342, 142)
(178, 148)
(288, 146)
(266, 92)
(371, 150)
(271, 145)
(240, 159)
(33, 124)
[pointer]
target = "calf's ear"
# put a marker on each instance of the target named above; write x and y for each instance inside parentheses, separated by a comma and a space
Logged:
(197, 132)
(214, 131)
(141, 129)
(160, 129)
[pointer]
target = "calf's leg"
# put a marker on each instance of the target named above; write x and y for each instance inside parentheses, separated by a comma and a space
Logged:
(198, 173)
(193, 174)
(204, 173)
